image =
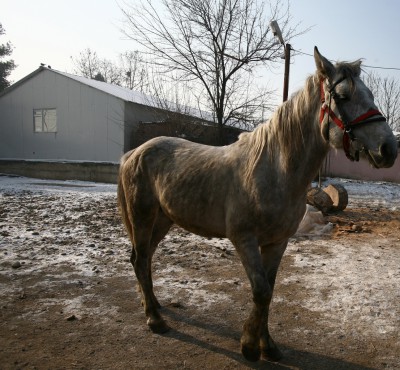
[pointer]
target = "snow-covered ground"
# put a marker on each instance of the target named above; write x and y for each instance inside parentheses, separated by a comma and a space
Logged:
(348, 281)
(17, 184)
(69, 206)
(378, 194)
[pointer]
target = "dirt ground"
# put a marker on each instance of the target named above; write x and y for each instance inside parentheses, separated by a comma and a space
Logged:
(69, 299)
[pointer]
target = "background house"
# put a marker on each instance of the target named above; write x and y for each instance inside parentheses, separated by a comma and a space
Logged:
(52, 116)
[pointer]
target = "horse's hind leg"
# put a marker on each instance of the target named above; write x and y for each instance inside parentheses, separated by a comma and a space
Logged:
(271, 258)
(146, 236)
(160, 229)
(248, 250)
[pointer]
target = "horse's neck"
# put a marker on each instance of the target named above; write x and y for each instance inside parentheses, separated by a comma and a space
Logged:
(296, 137)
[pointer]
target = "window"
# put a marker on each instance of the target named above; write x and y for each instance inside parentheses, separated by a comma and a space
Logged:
(45, 120)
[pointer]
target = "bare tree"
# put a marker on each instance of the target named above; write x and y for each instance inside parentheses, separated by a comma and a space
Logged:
(111, 72)
(386, 91)
(89, 65)
(134, 70)
(216, 45)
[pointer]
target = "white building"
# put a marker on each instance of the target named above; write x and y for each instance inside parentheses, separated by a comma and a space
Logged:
(52, 115)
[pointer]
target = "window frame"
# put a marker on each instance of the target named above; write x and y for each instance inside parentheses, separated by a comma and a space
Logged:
(45, 127)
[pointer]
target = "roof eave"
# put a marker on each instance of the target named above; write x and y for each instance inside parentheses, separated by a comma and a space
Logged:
(22, 80)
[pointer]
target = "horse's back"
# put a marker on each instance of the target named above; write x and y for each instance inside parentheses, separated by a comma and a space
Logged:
(190, 181)
(169, 154)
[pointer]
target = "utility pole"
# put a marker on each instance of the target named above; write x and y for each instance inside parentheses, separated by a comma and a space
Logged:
(286, 75)
(278, 34)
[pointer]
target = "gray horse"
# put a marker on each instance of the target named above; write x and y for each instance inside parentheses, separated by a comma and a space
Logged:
(252, 192)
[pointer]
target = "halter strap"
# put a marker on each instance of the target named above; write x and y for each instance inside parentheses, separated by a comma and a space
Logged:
(372, 115)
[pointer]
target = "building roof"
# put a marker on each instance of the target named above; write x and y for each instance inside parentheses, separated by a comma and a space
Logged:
(117, 91)
(120, 92)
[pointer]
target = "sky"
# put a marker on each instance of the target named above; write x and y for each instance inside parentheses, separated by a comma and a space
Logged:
(53, 31)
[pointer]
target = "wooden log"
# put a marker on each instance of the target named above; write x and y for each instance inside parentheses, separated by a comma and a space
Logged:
(319, 199)
(339, 197)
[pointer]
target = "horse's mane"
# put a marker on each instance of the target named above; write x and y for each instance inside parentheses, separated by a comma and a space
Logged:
(283, 136)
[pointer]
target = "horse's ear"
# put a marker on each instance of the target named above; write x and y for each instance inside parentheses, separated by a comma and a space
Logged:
(324, 67)
(357, 67)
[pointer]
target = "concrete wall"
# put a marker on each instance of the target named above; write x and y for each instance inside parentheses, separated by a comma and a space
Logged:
(83, 171)
(90, 123)
(338, 165)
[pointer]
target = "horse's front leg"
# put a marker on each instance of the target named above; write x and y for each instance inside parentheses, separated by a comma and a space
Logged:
(249, 254)
(271, 257)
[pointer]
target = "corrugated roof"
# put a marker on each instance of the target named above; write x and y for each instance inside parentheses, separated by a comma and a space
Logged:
(137, 97)
(119, 92)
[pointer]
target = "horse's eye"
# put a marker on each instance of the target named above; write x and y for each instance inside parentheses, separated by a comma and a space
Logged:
(343, 97)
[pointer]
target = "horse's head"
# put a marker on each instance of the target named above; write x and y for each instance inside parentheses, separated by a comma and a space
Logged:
(349, 117)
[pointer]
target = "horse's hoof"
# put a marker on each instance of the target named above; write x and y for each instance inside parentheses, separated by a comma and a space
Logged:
(251, 354)
(158, 326)
(272, 354)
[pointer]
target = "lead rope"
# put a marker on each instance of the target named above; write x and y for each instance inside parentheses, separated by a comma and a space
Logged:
(327, 139)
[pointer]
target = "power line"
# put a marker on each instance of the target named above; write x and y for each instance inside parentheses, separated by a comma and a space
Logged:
(364, 65)
(391, 68)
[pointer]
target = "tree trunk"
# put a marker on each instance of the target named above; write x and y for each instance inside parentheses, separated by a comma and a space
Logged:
(339, 197)
(319, 199)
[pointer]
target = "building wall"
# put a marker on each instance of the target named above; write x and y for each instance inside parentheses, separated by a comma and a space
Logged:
(135, 114)
(90, 123)
(337, 165)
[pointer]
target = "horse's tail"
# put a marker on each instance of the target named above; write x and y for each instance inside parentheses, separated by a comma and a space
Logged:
(122, 204)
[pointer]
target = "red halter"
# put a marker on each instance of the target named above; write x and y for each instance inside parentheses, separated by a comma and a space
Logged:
(371, 115)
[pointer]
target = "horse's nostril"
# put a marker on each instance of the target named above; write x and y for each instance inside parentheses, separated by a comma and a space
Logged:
(388, 151)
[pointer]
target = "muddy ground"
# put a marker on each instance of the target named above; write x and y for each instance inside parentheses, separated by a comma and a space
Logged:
(68, 297)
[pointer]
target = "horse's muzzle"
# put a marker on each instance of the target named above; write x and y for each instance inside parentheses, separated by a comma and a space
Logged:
(385, 156)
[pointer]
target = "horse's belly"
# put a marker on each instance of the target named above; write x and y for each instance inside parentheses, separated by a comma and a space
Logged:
(197, 218)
